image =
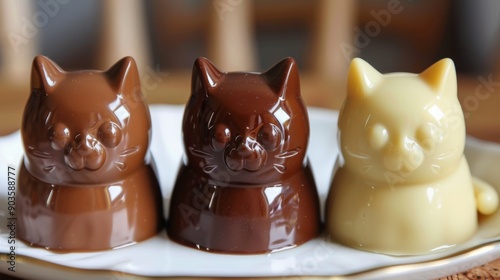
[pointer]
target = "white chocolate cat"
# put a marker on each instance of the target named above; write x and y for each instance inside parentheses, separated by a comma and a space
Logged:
(405, 187)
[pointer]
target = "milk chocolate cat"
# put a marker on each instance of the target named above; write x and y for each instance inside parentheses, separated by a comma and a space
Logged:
(405, 187)
(245, 185)
(85, 181)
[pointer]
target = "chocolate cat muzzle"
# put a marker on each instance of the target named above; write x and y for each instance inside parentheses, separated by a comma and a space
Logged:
(84, 155)
(249, 155)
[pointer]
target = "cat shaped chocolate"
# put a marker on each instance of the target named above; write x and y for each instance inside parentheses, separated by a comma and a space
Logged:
(85, 181)
(245, 185)
(405, 187)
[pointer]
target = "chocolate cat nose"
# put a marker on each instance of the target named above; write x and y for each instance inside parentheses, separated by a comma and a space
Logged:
(248, 154)
(247, 147)
(85, 144)
(405, 155)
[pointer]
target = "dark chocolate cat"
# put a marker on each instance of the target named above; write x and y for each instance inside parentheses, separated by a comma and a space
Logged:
(85, 182)
(245, 185)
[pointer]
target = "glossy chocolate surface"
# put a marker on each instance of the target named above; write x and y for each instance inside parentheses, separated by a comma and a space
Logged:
(85, 182)
(245, 185)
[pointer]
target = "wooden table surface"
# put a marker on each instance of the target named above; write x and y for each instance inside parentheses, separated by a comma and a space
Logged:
(480, 102)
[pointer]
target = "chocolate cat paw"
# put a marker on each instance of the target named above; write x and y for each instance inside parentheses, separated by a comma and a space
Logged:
(85, 181)
(244, 185)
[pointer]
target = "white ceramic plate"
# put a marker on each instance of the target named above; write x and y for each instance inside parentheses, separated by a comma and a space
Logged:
(159, 256)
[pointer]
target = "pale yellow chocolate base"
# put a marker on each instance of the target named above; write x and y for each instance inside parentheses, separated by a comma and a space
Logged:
(402, 219)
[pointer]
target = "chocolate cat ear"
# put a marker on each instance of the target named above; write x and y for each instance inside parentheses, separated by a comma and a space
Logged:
(124, 76)
(283, 77)
(442, 77)
(45, 74)
(362, 78)
(205, 76)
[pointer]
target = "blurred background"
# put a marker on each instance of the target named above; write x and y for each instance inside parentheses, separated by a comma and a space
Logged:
(165, 37)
